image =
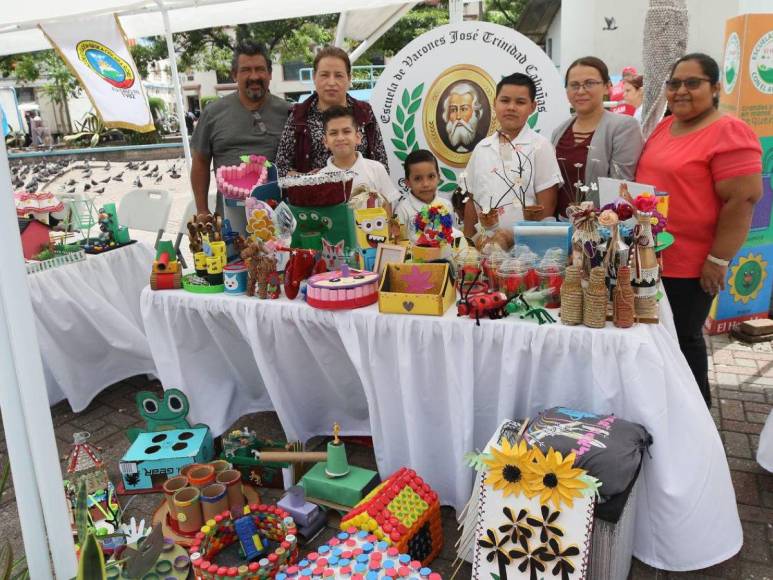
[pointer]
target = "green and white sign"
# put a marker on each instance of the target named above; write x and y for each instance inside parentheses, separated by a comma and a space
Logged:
(761, 64)
(732, 64)
(438, 93)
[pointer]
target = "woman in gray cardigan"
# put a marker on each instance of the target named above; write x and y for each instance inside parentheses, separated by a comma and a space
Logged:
(593, 143)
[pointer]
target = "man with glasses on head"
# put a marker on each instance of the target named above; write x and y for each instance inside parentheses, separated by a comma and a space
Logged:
(247, 122)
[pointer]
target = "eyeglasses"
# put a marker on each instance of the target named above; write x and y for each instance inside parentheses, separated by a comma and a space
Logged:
(587, 85)
(690, 84)
(258, 124)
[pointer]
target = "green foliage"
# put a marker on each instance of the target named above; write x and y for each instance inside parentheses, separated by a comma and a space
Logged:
(157, 107)
(146, 52)
(415, 23)
(82, 513)
(92, 562)
(204, 101)
(137, 138)
(504, 12)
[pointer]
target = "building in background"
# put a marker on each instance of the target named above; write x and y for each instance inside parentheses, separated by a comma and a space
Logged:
(612, 30)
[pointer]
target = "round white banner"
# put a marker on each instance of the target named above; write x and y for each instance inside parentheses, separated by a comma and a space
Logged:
(451, 72)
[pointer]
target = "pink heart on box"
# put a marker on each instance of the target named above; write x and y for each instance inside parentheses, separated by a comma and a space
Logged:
(238, 181)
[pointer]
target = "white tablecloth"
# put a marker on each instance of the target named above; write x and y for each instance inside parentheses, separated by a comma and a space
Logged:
(88, 321)
(430, 389)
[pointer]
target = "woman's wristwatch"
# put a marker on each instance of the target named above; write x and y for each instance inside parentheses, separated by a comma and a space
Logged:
(718, 261)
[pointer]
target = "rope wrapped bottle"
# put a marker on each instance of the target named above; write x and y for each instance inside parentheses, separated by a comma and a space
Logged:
(623, 314)
(645, 272)
(571, 296)
(595, 300)
(585, 238)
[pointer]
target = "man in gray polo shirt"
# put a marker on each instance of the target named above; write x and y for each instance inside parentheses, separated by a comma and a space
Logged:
(249, 121)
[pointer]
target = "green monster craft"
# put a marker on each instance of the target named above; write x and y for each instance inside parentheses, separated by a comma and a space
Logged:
(333, 223)
(163, 415)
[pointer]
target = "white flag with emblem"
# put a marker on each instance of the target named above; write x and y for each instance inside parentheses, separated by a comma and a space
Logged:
(96, 51)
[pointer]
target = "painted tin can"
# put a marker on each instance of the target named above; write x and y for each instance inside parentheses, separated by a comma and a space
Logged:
(235, 278)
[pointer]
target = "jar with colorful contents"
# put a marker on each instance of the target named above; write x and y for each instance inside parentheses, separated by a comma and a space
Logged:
(492, 257)
(467, 262)
(551, 276)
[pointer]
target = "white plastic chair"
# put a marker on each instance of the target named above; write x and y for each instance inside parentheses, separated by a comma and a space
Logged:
(146, 210)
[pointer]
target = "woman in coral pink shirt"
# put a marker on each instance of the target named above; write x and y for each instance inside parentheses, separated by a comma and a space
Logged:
(710, 165)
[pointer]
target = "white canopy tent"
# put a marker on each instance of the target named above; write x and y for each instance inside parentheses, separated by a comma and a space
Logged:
(23, 399)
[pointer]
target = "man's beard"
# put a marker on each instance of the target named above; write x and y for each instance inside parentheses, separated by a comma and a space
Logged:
(255, 91)
(461, 134)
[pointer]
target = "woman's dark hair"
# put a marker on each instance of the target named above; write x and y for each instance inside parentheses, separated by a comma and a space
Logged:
(249, 48)
(636, 82)
(333, 52)
(419, 156)
(593, 62)
(520, 80)
(337, 113)
(708, 65)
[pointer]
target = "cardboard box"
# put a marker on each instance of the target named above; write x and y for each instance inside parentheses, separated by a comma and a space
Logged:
(156, 456)
(416, 289)
(747, 290)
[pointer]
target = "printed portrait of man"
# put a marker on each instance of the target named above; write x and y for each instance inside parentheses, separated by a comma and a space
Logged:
(465, 116)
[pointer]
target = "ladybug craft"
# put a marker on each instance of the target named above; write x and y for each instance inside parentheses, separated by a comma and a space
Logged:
(488, 304)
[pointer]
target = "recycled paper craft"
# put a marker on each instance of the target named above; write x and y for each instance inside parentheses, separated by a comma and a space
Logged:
(334, 223)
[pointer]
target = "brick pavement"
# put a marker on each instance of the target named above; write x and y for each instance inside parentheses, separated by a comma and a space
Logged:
(742, 383)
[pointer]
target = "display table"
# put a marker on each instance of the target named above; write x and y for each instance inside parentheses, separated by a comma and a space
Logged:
(87, 316)
(431, 389)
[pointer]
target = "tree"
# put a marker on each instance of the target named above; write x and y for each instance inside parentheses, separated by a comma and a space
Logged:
(60, 85)
(147, 51)
(415, 23)
(504, 12)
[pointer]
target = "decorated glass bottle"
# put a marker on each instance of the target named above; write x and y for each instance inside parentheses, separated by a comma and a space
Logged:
(623, 314)
(645, 272)
(571, 296)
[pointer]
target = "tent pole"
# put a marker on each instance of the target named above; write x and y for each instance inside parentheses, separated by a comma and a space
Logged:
(176, 83)
(379, 32)
(26, 416)
(341, 29)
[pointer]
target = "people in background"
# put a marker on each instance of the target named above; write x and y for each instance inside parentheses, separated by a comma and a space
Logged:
(302, 146)
(593, 142)
(514, 161)
(633, 95)
(710, 165)
(246, 122)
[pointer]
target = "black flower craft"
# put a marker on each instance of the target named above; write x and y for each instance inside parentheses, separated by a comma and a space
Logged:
(530, 559)
(497, 550)
(563, 564)
(516, 526)
(545, 525)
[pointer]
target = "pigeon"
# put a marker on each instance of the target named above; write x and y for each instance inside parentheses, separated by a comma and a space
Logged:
(107, 166)
(105, 180)
(118, 177)
(99, 190)
(70, 189)
(144, 166)
(71, 182)
(86, 186)
(94, 181)
(611, 24)
(174, 175)
(159, 178)
(137, 182)
(155, 169)
(87, 173)
(131, 165)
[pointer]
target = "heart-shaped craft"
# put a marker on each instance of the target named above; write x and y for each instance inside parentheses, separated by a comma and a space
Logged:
(408, 305)
(238, 181)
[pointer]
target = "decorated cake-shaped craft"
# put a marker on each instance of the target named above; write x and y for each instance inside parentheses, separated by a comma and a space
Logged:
(318, 189)
(342, 289)
(358, 554)
(238, 181)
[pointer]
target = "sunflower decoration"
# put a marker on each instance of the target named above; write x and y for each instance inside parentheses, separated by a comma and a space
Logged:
(509, 468)
(260, 225)
(552, 478)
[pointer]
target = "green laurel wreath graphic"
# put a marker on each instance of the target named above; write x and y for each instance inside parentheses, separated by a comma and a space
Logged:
(404, 125)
